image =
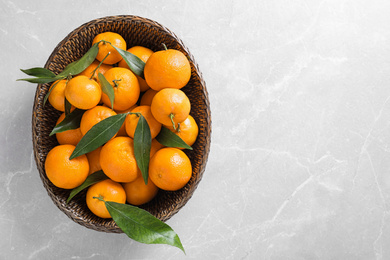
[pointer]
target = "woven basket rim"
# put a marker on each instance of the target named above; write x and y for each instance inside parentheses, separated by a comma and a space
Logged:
(40, 150)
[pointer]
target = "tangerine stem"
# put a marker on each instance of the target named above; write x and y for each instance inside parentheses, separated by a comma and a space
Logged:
(105, 42)
(99, 198)
(134, 113)
(115, 80)
(178, 128)
(171, 116)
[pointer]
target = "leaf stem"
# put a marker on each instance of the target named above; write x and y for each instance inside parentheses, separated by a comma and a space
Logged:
(98, 66)
(165, 47)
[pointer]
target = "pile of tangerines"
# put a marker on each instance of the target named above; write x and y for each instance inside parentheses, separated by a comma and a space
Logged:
(160, 100)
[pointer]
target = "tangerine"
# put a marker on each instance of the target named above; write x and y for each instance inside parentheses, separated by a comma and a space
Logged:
(65, 173)
(107, 190)
(170, 169)
(106, 42)
(93, 116)
(132, 121)
(167, 69)
(94, 160)
(170, 106)
(57, 94)
(82, 92)
(147, 97)
(138, 193)
(122, 130)
(187, 131)
(126, 88)
(117, 159)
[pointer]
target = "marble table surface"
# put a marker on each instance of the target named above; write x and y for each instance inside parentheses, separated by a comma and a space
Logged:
(299, 165)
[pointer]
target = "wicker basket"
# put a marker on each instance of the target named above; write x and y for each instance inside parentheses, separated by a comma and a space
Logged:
(136, 31)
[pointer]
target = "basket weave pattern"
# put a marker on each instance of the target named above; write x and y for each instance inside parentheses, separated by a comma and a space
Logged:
(136, 31)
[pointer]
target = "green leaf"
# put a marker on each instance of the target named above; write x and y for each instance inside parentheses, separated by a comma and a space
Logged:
(91, 179)
(39, 72)
(71, 121)
(170, 139)
(42, 80)
(142, 144)
(99, 134)
(68, 107)
(135, 64)
(80, 65)
(107, 88)
(141, 226)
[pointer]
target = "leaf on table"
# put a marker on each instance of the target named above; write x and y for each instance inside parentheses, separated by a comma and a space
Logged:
(71, 121)
(91, 179)
(142, 144)
(99, 134)
(141, 226)
(168, 138)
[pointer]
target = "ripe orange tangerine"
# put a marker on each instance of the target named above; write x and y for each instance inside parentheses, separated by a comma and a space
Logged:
(138, 193)
(132, 121)
(57, 95)
(167, 69)
(126, 88)
(107, 190)
(65, 173)
(117, 159)
(107, 39)
(147, 97)
(187, 131)
(170, 106)
(93, 116)
(94, 160)
(170, 169)
(82, 92)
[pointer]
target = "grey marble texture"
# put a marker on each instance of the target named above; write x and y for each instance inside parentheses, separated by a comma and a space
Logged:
(299, 166)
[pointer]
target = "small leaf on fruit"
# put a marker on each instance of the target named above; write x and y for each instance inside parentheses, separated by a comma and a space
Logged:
(71, 121)
(99, 134)
(107, 88)
(91, 179)
(142, 144)
(135, 64)
(168, 138)
(68, 107)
